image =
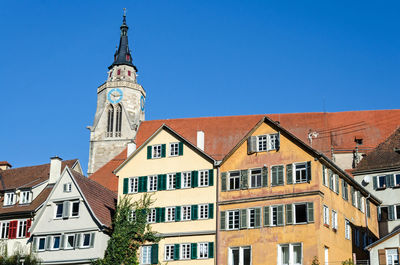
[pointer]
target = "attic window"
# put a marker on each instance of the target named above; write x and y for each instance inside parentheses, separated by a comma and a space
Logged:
(25, 197)
(9, 198)
(67, 187)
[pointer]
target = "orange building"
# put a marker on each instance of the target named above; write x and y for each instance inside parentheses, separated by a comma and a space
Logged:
(282, 202)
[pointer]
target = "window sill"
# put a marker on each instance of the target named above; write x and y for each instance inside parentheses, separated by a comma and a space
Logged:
(396, 187)
(326, 225)
(381, 188)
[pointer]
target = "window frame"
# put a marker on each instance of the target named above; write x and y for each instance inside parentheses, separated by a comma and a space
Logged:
(23, 199)
(347, 229)
(152, 183)
(396, 181)
(171, 181)
(53, 241)
(235, 219)
(133, 185)
(393, 256)
(334, 220)
(186, 180)
(184, 254)
(171, 148)
(291, 253)
(205, 246)
(326, 215)
(57, 205)
(151, 216)
(295, 172)
(38, 249)
(261, 142)
(204, 178)
(234, 178)
(21, 233)
(82, 240)
(169, 252)
(67, 236)
(294, 213)
(241, 250)
(203, 211)
(258, 177)
(188, 210)
(72, 209)
(156, 151)
(9, 198)
(170, 214)
(378, 182)
(4, 229)
(148, 253)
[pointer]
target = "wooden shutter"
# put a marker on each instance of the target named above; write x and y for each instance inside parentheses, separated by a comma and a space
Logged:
(330, 175)
(280, 215)
(176, 252)
(289, 174)
(77, 240)
(257, 222)
(62, 243)
(243, 218)
(48, 242)
(158, 215)
(211, 177)
(280, 175)
(251, 145)
(195, 179)
(34, 244)
(289, 214)
(391, 180)
(154, 254)
(244, 181)
(178, 180)
(387, 181)
(28, 226)
(210, 211)
(126, 183)
(149, 156)
(66, 207)
(180, 149)
(278, 142)
(222, 220)
(193, 250)
(309, 171)
(65, 187)
(142, 185)
(323, 175)
(177, 213)
(382, 256)
(164, 181)
(375, 181)
(163, 150)
(343, 189)
(337, 184)
(210, 250)
(160, 182)
(162, 215)
(352, 195)
(274, 175)
(223, 181)
(195, 212)
(264, 176)
(391, 212)
(266, 215)
(310, 212)
(12, 231)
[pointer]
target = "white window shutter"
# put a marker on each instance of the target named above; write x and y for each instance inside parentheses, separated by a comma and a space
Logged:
(66, 207)
(92, 239)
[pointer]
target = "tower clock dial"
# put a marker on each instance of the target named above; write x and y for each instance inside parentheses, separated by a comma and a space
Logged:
(141, 103)
(115, 95)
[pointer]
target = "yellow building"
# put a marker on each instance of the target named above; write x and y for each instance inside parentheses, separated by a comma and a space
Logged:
(180, 178)
(282, 202)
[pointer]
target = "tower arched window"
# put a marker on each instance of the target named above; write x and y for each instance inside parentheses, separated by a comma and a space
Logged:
(110, 121)
(118, 120)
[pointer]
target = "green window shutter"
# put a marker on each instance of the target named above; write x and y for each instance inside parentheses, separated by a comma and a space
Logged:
(180, 149)
(193, 251)
(375, 181)
(257, 222)
(177, 213)
(162, 215)
(289, 214)
(210, 250)
(310, 212)
(222, 220)
(264, 176)
(387, 181)
(211, 177)
(243, 218)
(195, 212)
(149, 152)
(176, 252)
(178, 180)
(159, 182)
(195, 179)
(280, 175)
(289, 174)
(223, 181)
(210, 211)
(323, 175)
(164, 181)
(244, 182)
(391, 212)
(337, 184)
(163, 150)
(274, 176)
(142, 187)
(154, 254)
(126, 183)
(330, 176)
(353, 199)
(343, 189)
(266, 215)
(280, 215)
(309, 171)
(158, 215)
(391, 178)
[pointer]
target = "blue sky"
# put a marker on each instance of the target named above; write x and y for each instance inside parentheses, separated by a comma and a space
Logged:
(195, 58)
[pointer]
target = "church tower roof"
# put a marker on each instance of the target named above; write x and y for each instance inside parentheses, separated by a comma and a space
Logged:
(122, 55)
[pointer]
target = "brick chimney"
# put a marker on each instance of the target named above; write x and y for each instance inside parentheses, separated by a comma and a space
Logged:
(4, 165)
(55, 169)
(200, 140)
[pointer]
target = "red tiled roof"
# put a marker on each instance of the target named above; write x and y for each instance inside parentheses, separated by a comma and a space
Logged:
(334, 130)
(101, 200)
(26, 177)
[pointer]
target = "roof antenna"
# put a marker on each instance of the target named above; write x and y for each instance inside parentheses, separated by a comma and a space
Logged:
(124, 21)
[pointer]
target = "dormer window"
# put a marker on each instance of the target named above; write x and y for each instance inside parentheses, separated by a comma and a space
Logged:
(9, 198)
(67, 187)
(25, 197)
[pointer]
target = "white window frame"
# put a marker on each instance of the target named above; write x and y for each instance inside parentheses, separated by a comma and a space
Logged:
(171, 181)
(151, 216)
(4, 229)
(169, 214)
(83, 240)
(235, 214)
(295, 165)
(156, 151)
(67, 236)
(347, 229)
(184, 251)
(152, 183)
(294, 213)
(68, 187)
(203, 178)
(145, 259)
(396, 182)
(251, 217)
(262, 143)
(203, 211)
(57, 204)
(393, 256)
(186, 212)
(326, 215)
(133, 185)
(186, 180)
(38, 244)
(291, 253)
(378, 182)
(257, 183)
(9, 198)
(169, 252)
(174, 149)
(21, 233)
(72, 207)
(241, 254)
(272, 209)
(396, 212)
(334, 220)
(25, 197)
(233, 177)
(273, 138)
(202, 250)
(53, 240)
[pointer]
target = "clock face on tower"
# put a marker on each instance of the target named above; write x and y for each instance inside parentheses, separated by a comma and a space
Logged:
(115, 95)
(141, 103)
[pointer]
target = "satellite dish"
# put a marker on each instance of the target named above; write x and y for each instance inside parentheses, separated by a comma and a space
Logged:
(367, 179)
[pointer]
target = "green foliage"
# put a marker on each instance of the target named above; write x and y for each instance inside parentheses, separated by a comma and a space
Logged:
(315, 261)
(348, 262)
(128, 235)
(17, 258)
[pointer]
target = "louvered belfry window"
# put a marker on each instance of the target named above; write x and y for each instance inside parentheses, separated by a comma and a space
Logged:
(110, 121)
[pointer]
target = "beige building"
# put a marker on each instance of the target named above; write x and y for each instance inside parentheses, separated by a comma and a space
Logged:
(180, 178)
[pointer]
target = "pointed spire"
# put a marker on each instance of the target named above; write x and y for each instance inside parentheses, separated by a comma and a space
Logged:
(122, 55)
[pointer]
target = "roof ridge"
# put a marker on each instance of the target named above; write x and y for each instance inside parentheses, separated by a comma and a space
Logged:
(84, 178)
(40, 165)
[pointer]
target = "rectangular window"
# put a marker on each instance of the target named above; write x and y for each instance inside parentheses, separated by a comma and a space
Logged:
(397, 179)
(75, 209)
(151, 216)
(185, 251)
(392, 257)
(25, 197)
(9, 198)
(345, 190)
(203, 211)
(252, 218)
(171, 178)
(156, 151)
(169, 252)
(239, 256)
(152, 183)
(203, 178)
(234, 180)
(300, 213)
(59, 210)
(133, 185)
(300, 172)
(41, 244)
(326, 215)
(55, 242)
(255, 178)
(274, 215)
(186, 179)
(334, 220)
(397, 210)
(186, 213)
(203, 250)
(277, 176)
(347, 229)
(85, 240)
(273, 141)
(233, 219)
(4, 229)
(69, 241)
(357, 237)
(262, 143)
(145, 255)
(290, 254)
(170, 214)
(67, 187)
(21, 228)
(173, 149)
(381, 182)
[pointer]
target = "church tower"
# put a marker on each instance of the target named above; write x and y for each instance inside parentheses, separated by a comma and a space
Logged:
(120, 107)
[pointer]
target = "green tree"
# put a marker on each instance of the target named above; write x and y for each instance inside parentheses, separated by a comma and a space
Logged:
(128, 233)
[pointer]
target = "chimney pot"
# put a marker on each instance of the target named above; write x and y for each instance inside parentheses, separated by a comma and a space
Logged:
(55, 169)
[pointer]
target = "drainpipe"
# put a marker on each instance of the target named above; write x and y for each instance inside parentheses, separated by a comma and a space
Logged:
(366, 215)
